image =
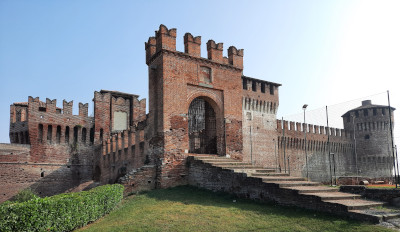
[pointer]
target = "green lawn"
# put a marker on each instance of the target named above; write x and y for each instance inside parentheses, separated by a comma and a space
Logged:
(190, 209)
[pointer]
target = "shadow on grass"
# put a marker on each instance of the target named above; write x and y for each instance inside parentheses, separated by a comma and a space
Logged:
(192, 195)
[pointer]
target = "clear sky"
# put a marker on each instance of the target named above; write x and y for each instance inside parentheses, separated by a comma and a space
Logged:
(322, 52)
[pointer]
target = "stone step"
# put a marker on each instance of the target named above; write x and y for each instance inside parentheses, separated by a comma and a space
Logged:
(312, 189)
(331, 198)
(384, 213)
(257, 174)
(293, 183)
(265, 170)
(281, 178)
(200, 157)
(228, 163)
(334, 195)
(356, 204)
(220, 160)
(237, 166)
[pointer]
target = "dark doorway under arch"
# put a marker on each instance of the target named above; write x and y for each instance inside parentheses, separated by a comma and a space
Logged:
(202, 127)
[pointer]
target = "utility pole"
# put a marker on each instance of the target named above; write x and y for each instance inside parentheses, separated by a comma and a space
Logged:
(391, 138)
(305, 137)
(355, 147)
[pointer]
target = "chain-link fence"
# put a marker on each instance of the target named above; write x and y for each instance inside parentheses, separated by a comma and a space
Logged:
(344, 143)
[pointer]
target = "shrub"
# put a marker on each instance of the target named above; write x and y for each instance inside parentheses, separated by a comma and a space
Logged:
(25, 195)
(63, 212)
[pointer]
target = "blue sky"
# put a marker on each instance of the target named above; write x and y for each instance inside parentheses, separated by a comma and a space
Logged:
(322, 52)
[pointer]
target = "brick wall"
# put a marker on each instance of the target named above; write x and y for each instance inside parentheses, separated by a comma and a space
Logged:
(67, 150)
(175, 80)
(292, 144)
(260, 105)
(218, 179)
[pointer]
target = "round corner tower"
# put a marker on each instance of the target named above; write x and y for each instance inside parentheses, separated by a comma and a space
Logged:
(369, 126)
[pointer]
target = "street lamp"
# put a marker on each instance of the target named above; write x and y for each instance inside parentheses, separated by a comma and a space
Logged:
(305, 137)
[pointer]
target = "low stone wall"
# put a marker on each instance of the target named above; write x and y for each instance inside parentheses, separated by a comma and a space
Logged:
(213, 178)
(140, 179)
(391, 196)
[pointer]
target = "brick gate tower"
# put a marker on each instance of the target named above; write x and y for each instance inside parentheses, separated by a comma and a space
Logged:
(195, 103)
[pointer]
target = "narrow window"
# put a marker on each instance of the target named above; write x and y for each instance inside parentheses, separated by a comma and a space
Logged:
(254, 86)
(244, 83)
(84, 135)
(262, 87)
(374, 111)
(271, 89)
(365, 112)
(18, 115)
(16, 138)
(40, 133)
(357, 114)
(67, 134)
(26, 137)
(92, 135)
(21, 136)
(141, 147)
(122, 140)
(75, 134)
(383, 111)
(58, 134)
(101, 135)
(49, 133)
(133, 149)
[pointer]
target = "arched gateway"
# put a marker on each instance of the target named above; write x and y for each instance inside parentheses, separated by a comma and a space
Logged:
(202, 127)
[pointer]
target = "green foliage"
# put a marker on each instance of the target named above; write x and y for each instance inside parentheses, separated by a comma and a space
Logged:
(186, 208)
(63, 212)
(25, 195)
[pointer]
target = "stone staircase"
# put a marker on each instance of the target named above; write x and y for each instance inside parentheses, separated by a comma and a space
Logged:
(268, 184)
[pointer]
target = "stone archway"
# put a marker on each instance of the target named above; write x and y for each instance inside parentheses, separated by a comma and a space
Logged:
(202, 127)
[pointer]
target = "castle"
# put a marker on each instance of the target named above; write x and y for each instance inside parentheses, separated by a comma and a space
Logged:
(196, 106)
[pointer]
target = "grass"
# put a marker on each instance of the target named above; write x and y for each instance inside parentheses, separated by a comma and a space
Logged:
(187, 208)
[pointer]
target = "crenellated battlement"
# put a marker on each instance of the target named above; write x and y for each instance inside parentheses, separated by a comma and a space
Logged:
(50, 106)
(67, 107)
(83, 109)
(102, 97)
(165, 39)
(235, 56)
(294, 127)
(120, 101)
(31, 99)
(192, 45)
(150, 47)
